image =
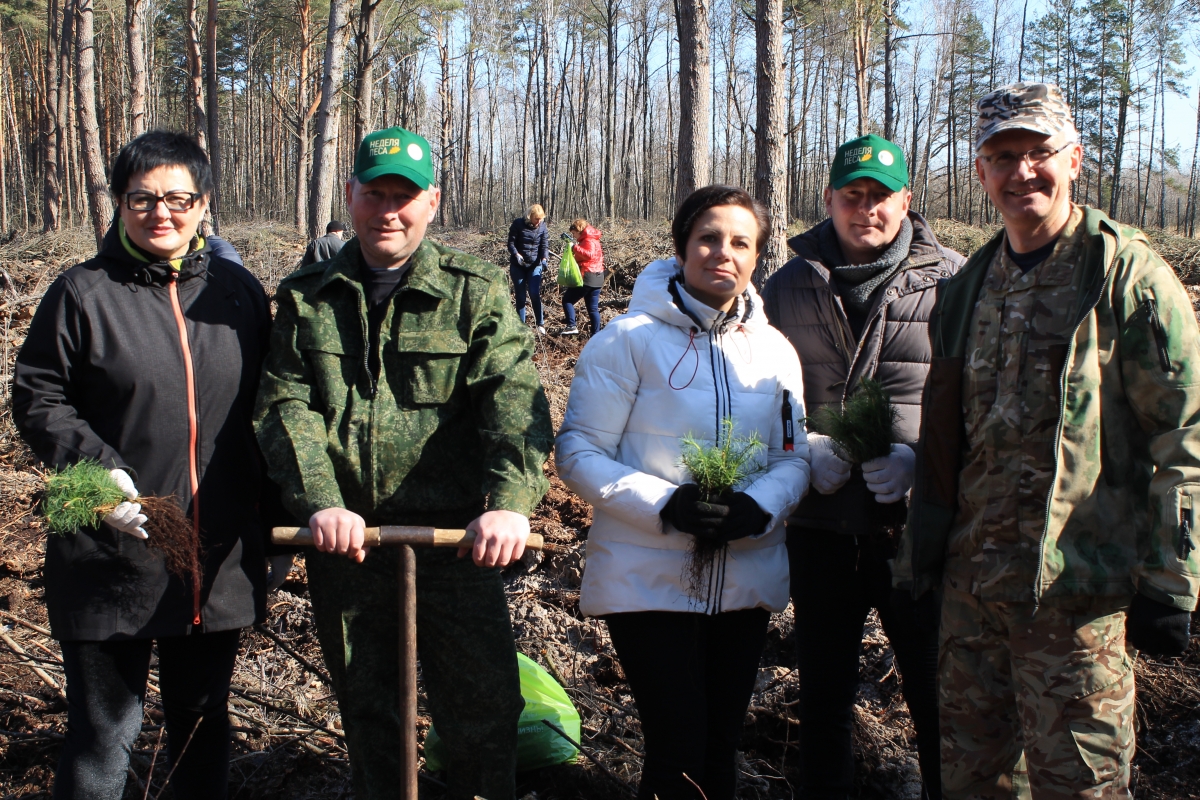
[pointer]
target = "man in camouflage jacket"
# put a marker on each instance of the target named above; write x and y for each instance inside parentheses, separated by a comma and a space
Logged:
(399, 389)
(1058, 470)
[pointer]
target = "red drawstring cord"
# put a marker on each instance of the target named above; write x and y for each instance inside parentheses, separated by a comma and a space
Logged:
(691, 346)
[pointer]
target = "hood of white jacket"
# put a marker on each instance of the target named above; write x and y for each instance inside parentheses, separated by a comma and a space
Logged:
(659, 292)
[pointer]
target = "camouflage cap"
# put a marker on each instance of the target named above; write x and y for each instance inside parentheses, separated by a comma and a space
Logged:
(1035, 107)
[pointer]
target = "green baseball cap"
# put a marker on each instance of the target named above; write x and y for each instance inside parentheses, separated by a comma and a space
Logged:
(394, 151)
(869, 156)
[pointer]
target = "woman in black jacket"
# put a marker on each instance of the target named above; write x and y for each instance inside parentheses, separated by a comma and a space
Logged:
(528, 245)
(146, 358)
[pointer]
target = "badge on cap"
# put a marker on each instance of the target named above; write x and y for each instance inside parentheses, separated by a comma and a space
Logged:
(415, 152)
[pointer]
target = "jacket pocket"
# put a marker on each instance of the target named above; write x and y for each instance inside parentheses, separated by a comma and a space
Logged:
(1158, 334)
(1181, 508)
(335, 371)
(1097, 697)
(430, 365)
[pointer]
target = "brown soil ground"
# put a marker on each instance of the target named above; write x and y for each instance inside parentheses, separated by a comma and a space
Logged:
(288, 742)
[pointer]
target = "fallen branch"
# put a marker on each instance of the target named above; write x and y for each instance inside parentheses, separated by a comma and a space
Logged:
(26, 623)
(31, 663)
(304, 662)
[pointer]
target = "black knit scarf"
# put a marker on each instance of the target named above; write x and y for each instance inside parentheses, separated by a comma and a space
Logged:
(857, 282)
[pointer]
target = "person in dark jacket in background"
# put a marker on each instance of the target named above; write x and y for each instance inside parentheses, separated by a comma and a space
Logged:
(219, 247)
(325, 247)
(146, 358)
(528, 245)
(855, 302)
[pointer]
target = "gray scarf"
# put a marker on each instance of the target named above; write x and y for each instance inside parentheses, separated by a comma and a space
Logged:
(857, 282)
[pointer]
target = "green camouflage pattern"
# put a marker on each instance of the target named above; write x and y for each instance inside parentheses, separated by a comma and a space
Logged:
(468, 667)
(1126, 466)
(457, 422)
(1037, 107)
(1035, 700)
(1011, 402)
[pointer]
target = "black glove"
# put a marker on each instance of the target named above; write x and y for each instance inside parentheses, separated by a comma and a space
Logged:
(1155, 628)
(922, 615)
(566, 237)
(725, 518)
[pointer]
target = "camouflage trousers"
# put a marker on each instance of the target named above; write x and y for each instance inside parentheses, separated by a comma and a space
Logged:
(1035, 704)
(468, 665)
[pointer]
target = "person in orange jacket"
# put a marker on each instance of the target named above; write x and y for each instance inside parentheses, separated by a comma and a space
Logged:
(590, 257)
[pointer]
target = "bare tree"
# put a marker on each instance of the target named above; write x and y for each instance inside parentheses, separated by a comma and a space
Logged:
(51, 191)
(329, 115)
(364, 83)
(135, 42)
(214, 112)
(695, 100)
(99, 204)
(195, 77)
(770, 173)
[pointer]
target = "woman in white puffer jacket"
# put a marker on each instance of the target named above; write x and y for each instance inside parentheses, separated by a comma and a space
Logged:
(693, 350)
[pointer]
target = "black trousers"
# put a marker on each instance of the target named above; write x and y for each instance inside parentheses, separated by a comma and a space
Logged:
(106, 687)
(692, 676)
(836, 580)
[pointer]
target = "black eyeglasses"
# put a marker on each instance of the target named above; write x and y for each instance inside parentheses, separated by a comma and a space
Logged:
(174, 201)
(1008, 160)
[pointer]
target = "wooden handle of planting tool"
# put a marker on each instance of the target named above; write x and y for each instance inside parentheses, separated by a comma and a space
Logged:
(415, 535)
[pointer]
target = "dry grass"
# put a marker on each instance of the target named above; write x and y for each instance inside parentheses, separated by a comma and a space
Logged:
(288, 741)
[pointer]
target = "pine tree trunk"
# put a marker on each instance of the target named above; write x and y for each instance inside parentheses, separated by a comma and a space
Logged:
(99, 206)
(62, 126)
(770, 173)
(695, 100)
(195, 77)
(365, 81)
(304, 112)
(214, 113)
(51, 191)
(328, 119)
(135, 40)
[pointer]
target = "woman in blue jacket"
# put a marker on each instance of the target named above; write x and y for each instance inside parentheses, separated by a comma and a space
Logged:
(528, 244)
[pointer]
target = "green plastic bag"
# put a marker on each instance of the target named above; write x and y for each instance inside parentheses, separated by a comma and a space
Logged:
(537, 745)
(569, 275)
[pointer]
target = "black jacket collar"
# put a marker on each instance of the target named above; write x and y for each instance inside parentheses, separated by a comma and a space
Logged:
(143, 269)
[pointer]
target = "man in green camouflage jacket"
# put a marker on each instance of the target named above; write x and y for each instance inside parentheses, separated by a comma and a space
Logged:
(399, 389)
(1058, 470)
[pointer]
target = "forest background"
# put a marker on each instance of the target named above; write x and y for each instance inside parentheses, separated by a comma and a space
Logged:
(597, 108)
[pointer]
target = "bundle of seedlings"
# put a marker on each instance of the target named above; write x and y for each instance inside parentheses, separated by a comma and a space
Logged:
(718, 469)
(864, 428)
(83, 494)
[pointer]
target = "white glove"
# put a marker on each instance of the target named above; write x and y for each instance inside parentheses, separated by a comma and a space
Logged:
(127, 517)
(828, 472)
(891, 477)
(520, 259)
(278, 569)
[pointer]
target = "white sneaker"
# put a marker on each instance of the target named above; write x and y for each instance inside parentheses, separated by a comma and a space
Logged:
(571, 331)
(541, 329)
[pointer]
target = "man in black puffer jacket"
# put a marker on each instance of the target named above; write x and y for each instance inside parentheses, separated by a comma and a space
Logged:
(855, 303)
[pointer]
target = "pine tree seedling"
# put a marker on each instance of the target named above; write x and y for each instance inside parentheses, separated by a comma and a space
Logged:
(864, 428)
(83, 494)
(718, 468)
